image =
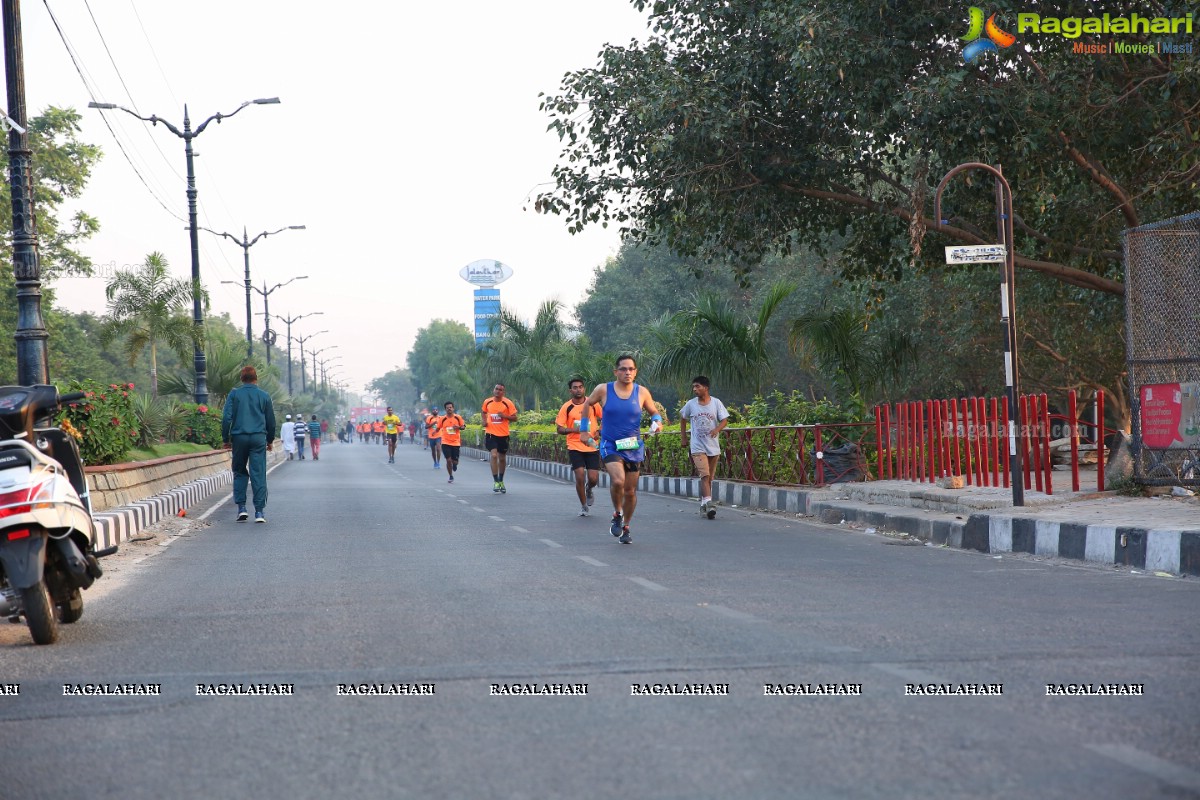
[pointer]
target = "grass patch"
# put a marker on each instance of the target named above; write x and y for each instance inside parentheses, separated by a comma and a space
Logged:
(169, 449)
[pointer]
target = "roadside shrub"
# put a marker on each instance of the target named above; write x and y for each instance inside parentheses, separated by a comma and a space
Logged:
(105, 420)
(202, 424)
(794, 409)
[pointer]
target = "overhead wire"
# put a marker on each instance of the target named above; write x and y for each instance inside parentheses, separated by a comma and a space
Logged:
(92, 94)
(89, 84)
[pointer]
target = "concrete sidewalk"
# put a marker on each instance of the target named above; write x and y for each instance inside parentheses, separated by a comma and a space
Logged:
(1154, 534)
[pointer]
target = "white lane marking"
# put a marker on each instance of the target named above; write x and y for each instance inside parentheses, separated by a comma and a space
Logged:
(592, 561)
(550, 543)
(651, 585)
(1153, 766)
(497, 519)
(477, 508)
(519, 529)
(448, 494)
(725, 611)
(914, 675)
(221, 503)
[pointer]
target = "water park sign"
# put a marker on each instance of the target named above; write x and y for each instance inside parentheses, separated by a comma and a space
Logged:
(485, 273)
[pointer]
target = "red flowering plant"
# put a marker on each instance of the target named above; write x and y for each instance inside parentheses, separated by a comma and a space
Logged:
(202, 424)
(103, 421)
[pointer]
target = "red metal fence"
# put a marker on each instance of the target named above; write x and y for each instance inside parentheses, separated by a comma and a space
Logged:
(929, 439)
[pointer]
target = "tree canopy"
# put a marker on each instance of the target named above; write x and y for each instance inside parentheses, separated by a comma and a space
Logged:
(737, 130)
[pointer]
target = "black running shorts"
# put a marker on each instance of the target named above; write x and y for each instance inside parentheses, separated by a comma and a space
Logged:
(584, 460)
(497, 443)
(450, 451)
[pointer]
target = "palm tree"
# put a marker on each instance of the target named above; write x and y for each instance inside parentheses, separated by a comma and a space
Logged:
(530, 356)
(843, 345)
(146, 306)
(715, 338)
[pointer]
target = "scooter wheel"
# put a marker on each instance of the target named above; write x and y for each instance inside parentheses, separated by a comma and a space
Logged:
(43, 625)
(71, 610)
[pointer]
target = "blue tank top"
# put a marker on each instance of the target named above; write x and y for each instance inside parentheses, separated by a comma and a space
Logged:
(622, 418)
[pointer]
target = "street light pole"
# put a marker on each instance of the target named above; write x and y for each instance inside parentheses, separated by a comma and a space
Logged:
(314, 355)
(302, 340)
(266, 312)
(246, 243)
(288, 321)
(187, 134)
(31, 335)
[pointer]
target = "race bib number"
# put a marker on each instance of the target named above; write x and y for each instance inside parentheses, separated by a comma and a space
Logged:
(577, 424)
(629, 443)
(496, 418)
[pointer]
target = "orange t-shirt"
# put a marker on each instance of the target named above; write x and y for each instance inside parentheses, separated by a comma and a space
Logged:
(492, 408)
(447, 422)
(377, 427)
(431, 425)
(569, 416)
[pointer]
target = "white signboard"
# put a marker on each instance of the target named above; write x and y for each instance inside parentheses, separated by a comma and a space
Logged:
(485, 272)
(976, 254)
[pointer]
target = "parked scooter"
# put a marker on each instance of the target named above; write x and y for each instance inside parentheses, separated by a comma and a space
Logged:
(48, 550)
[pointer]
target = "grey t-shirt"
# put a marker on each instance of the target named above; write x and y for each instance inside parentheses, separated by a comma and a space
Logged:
(703, 419)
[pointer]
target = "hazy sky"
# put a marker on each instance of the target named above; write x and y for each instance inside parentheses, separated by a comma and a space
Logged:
(407, 141)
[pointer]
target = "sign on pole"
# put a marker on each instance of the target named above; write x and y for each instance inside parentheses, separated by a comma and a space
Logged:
(976, 254)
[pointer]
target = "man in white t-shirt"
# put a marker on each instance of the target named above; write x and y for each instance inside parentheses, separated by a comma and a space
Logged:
(708, 418)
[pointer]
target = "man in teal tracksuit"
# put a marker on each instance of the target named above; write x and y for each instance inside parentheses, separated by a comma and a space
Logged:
(248, 426)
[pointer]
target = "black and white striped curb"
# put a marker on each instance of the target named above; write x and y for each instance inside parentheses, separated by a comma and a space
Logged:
(1151, 549)
(117, 525)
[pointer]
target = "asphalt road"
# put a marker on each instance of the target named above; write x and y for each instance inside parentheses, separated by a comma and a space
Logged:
(377, 574)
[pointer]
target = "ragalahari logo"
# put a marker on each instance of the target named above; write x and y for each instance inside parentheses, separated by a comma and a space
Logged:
(978, 28)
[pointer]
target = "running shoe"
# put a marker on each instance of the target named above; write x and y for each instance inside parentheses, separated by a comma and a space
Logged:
(503, 490)
(583, 512)
(495, 487)
(625, 537)
(242, 515)
(258, 517)
(711, 512)
(590, 498)
(456, 466)
(614, 527)
(451, 479)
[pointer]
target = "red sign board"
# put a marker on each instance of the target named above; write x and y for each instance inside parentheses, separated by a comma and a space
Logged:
(1170, 415)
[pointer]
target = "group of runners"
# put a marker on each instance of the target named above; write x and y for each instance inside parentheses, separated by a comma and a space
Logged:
(379, 431)
(603, 431)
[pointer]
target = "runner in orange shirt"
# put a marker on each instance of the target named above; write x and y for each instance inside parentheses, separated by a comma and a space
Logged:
(585, 458)
(450, 425)
(498, 411)
(435, 438)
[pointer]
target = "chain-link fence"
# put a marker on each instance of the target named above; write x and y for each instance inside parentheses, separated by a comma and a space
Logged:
(1162, 332)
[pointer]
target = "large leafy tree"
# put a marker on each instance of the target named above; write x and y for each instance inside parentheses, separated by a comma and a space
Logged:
(146, 306)
(440, 348)
(396, 388)
(741, 129)
(62, 166)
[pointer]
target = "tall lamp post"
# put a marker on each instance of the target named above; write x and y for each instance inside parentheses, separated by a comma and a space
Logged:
(246, 244)
(288, 321)
(324, 374)
(314, 355)
(268, 338)
(187, 134)
(31, 335)
(302, 340)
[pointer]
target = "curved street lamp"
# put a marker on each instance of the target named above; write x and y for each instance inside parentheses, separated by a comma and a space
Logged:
(187, 134)
(246, 244)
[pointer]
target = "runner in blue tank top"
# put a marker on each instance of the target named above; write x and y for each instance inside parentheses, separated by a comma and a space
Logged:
(621, 447)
